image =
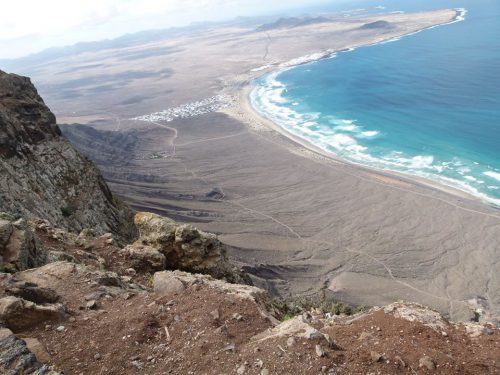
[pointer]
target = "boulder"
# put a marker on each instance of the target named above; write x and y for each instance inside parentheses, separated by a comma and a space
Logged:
(38, 349)
(20, 248)
(168, 282)
(18, 314)
(295, 327)
(32, 292)
(145, 258)
(165, 283)
(185, 248)
(154, 230)
(415, 312)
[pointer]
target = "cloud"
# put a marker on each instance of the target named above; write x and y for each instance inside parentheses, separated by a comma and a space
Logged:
(27, 26)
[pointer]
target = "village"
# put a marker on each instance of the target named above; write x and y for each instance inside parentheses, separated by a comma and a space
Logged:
(212, 104)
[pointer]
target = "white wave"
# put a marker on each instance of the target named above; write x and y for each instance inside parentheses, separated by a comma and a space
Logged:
(347, 128)
(463, 170)
(470, 178)
(370, 133)
(260, 68)
(308, 58)
(494, 175)
(343, 140)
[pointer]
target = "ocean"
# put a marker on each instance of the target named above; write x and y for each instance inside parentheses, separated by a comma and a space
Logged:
(426, 104)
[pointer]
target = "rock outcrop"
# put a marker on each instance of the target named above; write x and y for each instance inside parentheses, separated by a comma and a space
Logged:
(18, 314)
(20, 249)
(170, 282)
(165, 244)
(43, 175)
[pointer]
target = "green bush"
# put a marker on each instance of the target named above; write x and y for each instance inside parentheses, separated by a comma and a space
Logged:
(67, 211)
(285, 309)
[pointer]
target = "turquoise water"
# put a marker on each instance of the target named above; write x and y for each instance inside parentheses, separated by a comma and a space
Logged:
(427, 104)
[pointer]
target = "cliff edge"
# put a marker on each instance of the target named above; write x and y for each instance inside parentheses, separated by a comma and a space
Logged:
(43, 175)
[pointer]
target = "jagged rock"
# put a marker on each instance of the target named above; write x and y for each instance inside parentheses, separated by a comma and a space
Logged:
(419, 313)
(19, 314)
(43, 175)
(184, 247)
(145, 258)
(16, 358)
(168, 282)
(154, 230)
(474, 329)
(295, 327)
(55, 276)
(20, 249)
(50, 274)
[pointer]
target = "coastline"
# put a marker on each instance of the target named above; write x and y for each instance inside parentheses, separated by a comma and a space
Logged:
(254, 118)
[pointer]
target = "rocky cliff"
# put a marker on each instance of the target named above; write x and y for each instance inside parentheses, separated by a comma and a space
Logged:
(43, 175)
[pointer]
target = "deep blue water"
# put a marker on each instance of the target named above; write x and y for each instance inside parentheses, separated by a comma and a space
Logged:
(427, 104)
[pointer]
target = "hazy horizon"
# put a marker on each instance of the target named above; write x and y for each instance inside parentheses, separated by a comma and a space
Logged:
(57, 23)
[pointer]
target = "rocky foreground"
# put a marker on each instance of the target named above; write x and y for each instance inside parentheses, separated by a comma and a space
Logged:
(84, 289)
(98, 308)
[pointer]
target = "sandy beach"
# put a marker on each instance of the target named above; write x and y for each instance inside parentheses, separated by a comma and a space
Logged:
(299, 220)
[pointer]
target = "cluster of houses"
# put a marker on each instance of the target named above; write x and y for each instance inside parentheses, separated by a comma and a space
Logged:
(212, 104)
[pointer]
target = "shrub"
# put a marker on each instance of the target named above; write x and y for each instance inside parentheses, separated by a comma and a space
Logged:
(67, 211)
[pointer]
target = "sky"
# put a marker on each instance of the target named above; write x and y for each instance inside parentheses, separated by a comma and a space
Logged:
(29, 26)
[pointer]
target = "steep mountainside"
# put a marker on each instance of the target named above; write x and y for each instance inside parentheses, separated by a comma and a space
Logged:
(43, 175)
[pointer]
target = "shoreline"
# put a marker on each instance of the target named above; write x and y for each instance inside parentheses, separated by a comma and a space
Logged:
(253, 117)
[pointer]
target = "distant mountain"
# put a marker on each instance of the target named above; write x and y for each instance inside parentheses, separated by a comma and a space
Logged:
(291, 22)
(127, 40)
(377, 25)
